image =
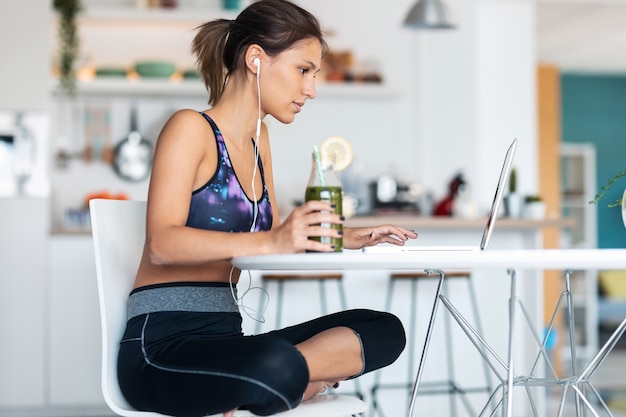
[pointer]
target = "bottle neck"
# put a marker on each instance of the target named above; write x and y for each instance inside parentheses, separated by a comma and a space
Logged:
(323, 175)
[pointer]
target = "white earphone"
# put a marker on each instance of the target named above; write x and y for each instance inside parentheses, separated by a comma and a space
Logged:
(257, 62)
(251, 312)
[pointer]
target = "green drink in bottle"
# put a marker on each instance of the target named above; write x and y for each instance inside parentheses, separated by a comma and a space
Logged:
(324, 185)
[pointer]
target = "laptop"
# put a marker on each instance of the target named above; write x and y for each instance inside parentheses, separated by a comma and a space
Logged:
(491, 219)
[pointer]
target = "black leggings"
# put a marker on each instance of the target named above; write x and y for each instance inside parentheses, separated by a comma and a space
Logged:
(199, 363)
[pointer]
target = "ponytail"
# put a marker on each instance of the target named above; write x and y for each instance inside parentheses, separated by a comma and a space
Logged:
(208, 47)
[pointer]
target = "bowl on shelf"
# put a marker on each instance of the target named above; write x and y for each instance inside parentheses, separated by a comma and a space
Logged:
(191, 74)
(110, 72)
(155, 69)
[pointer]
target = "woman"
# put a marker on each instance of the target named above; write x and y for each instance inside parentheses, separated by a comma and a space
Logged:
(211, 198)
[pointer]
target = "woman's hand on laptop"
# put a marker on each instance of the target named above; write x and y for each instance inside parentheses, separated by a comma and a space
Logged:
(360, 237)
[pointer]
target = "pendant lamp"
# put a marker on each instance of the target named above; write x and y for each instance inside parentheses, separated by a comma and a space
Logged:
(429, 14)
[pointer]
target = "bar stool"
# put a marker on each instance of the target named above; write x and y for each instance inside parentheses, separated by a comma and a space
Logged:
(445, 387)
(322, 278)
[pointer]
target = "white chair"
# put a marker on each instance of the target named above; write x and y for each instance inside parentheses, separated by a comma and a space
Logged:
(118, 229)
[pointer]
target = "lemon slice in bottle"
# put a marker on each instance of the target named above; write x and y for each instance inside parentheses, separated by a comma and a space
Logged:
(337, 151)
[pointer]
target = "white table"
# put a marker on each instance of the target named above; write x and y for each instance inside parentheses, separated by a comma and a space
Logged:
(559, 259)
(510, 260)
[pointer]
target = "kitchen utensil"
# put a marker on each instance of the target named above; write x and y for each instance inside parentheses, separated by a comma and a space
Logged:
(108, 152)
(88, 137)
(133, 155)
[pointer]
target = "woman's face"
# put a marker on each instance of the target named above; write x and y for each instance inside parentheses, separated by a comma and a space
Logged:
(289, 80)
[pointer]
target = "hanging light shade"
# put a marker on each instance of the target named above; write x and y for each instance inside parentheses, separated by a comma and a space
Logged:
(429, 14)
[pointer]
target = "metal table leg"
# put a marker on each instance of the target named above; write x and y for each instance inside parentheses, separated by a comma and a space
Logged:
(429, 332)
(510, 377)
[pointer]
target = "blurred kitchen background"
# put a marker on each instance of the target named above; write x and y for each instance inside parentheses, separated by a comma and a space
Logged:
(403, 121)
(420, 108)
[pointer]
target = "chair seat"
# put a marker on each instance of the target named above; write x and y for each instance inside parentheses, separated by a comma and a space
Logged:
(325, 405)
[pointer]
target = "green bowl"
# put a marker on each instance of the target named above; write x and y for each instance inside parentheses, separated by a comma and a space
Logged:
(155, 69)
(110, 72)
(191, 74)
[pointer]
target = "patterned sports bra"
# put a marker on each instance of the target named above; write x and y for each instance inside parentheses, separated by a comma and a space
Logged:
(221, 204)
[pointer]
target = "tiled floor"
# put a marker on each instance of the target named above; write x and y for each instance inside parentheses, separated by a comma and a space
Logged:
(610, 381)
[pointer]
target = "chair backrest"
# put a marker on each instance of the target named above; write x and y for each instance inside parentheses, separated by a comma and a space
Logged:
(118, 229)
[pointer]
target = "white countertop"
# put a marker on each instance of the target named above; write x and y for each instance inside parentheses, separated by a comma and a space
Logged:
(558, 259)
(455, 223)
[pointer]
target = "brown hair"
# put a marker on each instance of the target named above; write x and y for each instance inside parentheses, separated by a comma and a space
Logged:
(275, 25)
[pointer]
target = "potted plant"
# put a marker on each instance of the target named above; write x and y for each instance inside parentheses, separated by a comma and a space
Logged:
(620, 201)
(607, 187)
(534, 207)
(68, 43)
(513, 201)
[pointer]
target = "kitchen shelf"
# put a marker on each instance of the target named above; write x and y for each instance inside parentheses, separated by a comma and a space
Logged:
(195, 88)
(133, 15)
(145, 87)
(109, 18)
(355, 90)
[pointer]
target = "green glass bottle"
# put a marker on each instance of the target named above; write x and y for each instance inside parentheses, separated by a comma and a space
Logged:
(324, 185)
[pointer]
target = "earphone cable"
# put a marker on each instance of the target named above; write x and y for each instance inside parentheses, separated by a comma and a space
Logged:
(256, 315)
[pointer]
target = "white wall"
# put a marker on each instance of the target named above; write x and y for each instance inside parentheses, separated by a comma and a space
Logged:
(24, 51)
(24, 83)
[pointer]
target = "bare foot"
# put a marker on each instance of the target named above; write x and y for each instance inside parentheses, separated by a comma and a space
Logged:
(313, 389)
(230, 413)
(318, 387)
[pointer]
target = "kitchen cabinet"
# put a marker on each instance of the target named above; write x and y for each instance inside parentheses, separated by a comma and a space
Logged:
(74, 354)
(49, 317)
(578, 177)
(23, 236)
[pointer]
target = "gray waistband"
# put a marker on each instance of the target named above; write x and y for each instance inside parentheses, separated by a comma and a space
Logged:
(182, 298)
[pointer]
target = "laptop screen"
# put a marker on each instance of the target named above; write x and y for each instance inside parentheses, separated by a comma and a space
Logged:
(497, 198)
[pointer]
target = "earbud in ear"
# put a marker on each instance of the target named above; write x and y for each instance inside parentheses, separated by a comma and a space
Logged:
(257, 62)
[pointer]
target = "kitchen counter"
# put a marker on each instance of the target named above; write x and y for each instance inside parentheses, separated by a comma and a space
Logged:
(419, 222)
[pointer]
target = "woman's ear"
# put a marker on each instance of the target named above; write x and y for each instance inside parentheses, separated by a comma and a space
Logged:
(254, 57)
